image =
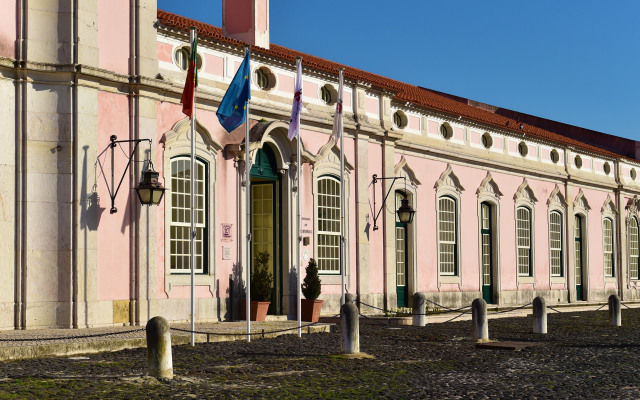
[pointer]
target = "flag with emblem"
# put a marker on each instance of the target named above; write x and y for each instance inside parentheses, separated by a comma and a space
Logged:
(233, 108)
(294, 126)
(336, 132)
(191, 83)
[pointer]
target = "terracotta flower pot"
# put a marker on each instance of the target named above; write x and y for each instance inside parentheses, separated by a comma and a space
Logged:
(310, 310)
(258, 310)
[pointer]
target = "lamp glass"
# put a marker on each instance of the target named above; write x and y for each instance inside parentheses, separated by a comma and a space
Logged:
(405, 212)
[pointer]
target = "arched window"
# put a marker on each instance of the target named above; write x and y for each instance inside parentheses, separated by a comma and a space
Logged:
(608, 246)
(180, 224)
(555, 243)
(523, 239)
(633, 248)
(447, 236)
(328, 224)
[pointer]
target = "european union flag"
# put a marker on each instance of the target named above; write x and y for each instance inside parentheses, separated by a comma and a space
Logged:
(233, 108)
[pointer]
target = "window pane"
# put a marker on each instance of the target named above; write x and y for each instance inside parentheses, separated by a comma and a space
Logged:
(633, 248)
(447, 235)
(328, 213)
(180, 237)
(555, 243)
(608, 247)
(523, 239)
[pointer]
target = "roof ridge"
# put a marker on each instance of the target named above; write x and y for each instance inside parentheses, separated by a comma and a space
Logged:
(406, 92)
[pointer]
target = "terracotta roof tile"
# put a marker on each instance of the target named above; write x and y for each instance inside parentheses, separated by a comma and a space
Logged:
(404, 92)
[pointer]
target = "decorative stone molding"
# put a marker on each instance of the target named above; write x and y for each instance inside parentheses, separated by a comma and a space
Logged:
(525, 193)
(581, 203)
(489, 188)
(556, 198)
(609, 207)
(402, 168)
(449, 180)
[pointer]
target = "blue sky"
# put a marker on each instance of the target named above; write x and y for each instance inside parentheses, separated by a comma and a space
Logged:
(573, 61)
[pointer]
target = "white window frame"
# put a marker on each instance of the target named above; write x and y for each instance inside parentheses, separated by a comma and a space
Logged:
(448, 237)
(525, 198)
(183, 198)
(556, 203)
(608, 248)
(177, 143)
(609, 213)
(524, 270)
(634, 247)
(327, 162)
(449, 186)
(556, 247)
(333, 219)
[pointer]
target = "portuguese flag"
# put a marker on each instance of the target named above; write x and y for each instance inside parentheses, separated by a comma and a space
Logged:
(189, 92)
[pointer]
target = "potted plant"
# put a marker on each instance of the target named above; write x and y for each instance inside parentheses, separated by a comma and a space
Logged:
(261, 280)
(311, 289)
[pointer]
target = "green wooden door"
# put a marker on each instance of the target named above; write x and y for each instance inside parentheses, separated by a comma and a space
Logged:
(487, 256)
(401, 259)
(264, 214)
(578, 259)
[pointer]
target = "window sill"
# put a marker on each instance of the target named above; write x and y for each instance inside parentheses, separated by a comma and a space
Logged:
(526, 280)
(447, 279)
(171, 280)
(558, 279)
(332, 279)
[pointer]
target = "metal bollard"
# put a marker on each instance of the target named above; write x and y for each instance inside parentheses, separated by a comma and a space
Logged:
(419, 309)
(615, 315)
(479, 320)
(350, 328)
(539, 315)
(349, 298)
(159, 358)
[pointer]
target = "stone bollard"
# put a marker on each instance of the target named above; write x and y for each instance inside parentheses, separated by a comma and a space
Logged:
(479, 320)
(539, 315)
(350, 328)
(615, 315)
(349, 298)
(419, 309)
(159, 358)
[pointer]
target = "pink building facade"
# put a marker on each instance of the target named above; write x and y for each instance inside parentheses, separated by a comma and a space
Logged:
(506, 210)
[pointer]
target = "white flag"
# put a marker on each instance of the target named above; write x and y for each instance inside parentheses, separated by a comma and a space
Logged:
(337, 119)
(294, 126)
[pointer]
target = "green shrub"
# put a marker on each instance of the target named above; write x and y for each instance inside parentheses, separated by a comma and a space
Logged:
(261, 278)
(312, 286)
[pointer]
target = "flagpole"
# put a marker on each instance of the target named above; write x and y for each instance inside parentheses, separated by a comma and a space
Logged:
(299, 223)
(192, 215)
(247, 171)
(342, 233)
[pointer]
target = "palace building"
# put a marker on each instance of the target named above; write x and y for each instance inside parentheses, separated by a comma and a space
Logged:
(509, 206)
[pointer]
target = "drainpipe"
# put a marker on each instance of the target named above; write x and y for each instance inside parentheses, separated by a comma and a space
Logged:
(134, 129)
(20, 157)
(568, 231)
(74, 169)
(620, 225)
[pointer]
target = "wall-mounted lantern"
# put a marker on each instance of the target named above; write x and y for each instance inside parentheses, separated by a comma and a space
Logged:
(149, 190)
(405, 212)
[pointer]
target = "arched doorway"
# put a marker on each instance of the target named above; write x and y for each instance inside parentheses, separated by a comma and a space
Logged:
(266, 217)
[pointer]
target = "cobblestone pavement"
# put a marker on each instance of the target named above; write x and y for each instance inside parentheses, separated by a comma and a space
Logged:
(582, 357)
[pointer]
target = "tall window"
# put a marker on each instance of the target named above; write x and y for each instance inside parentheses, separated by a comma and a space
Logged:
(328, 224)
(523, 237)
(447, 236)
(607, 234)
(555, 243)
(633, 248)
(180, 240)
